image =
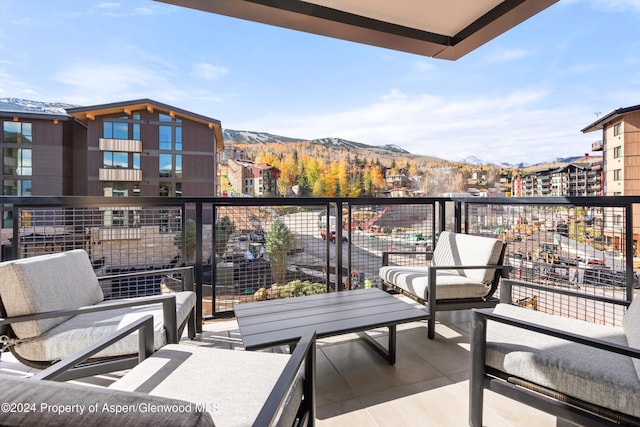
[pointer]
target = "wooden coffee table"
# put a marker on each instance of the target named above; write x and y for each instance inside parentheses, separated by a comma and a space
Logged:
(277, 322)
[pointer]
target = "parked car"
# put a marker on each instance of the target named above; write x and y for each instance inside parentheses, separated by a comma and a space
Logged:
(332, 236)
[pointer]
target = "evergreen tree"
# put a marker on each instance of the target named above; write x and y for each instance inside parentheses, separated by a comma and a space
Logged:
(279, 241)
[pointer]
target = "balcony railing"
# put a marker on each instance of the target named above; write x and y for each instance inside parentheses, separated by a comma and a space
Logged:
(246, 249)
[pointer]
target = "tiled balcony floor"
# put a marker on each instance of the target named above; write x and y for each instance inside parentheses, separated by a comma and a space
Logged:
(428, 385)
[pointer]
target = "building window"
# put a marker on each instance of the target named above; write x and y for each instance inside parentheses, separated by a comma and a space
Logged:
(170, 165)
(17, 133)
(617, 175)
(117, 218)
(617, 152)
(17, 161)
(166, 137)
(617, 129)
(178, 166)
(165, 189)
(166, 165)
(115, 130)
(16, 187)
(115, 160)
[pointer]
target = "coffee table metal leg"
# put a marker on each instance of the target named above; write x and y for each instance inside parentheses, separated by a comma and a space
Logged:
(388, 353)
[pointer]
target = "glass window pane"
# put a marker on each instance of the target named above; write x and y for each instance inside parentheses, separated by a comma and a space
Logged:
(25, 187)
(136, 160)
(178, 165)
(26, 133)
(107, 159)
(165, 137)
(179, 138)
(178, 189)
(107, 130)
(11, 132)
(165, 189)
(165, 165)
(120, 160)
(24, 162)
(164, 117)
(121, 130)
(9, 187)
(136, 131)
(10, 161)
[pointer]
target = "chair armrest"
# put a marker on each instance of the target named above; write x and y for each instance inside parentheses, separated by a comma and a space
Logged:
(305, 352)
(187, 275)
(145, 348)
(168, 311)
(385, 255)
(507, 285)
(480, 317)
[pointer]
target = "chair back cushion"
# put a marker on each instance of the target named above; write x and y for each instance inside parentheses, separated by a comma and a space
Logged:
(68, 404)
(466, 249)
(631, 326)
(45, 283)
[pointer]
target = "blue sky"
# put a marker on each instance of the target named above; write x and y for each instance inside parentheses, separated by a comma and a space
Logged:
(522, 97)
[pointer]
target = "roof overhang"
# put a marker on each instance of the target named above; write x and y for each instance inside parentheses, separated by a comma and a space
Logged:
(447, 29)
(612, 116)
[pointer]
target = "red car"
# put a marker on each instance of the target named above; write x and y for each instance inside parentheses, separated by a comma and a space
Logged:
(332, 236)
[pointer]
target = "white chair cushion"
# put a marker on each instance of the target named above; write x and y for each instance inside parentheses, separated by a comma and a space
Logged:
(46, 283)
(69, 395)
(79, 332)
(415, 280)
(596, 376)
(465, 249)
(631, 326)
(233, 385)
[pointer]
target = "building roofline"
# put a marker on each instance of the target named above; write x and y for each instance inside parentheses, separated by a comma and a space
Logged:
(144, 102)
(33, 115)
(90, 112)
(601, 122)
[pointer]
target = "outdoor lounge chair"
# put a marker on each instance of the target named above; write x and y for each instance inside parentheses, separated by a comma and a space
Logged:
(180, 385)
(586, 373)
(464, 273)
(53, 307)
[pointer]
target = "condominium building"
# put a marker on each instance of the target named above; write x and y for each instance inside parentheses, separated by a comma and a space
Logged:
(568, 180)
(132, 148)
(253, 179)
(620, 145)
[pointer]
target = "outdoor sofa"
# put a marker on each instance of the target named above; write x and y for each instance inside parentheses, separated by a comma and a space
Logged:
(463, 272)
(586, 373)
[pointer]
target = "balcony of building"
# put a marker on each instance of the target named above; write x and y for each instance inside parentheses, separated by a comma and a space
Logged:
(355, 385)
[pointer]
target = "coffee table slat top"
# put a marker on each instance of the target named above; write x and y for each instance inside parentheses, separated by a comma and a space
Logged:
(276, 322)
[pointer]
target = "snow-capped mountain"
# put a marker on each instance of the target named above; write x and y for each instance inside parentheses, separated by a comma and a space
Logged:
(249, 137)
(25, 105)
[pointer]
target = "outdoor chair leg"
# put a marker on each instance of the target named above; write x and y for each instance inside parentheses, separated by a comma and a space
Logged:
(476, 380)
(431, 327)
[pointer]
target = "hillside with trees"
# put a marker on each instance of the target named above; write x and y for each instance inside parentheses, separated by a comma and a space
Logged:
(328, 170)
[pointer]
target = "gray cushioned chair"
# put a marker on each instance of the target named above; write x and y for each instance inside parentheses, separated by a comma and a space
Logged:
(54, 306)
(463, 273)
(583, 372)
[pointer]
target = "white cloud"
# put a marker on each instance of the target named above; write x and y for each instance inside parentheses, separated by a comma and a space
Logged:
(509, 55)
(208, 71)
(511, 128)
(107, 5)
